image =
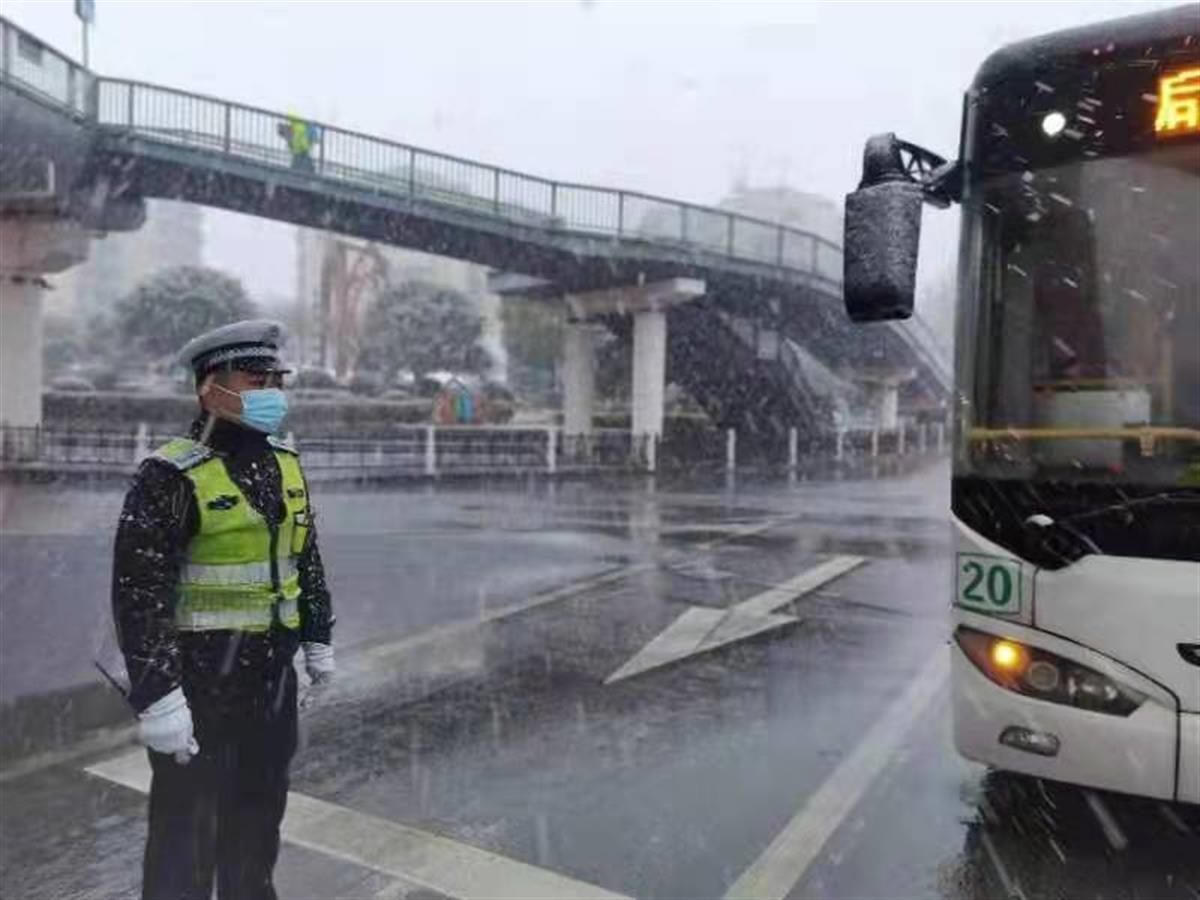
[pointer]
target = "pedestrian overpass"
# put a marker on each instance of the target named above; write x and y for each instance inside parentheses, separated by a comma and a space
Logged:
(80, 152)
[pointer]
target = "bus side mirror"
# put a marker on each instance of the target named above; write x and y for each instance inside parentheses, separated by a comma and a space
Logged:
(882, 234)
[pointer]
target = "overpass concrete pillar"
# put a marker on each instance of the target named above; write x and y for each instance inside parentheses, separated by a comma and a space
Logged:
(29, 249)
(20, 350)
(882, 393)
(649, 372)
(887, 406)
(647, 304)
(579, 379)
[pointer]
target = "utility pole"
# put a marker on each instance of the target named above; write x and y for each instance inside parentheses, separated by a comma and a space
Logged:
(86, 10)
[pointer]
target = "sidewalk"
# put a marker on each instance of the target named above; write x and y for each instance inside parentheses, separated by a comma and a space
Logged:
(68, 835)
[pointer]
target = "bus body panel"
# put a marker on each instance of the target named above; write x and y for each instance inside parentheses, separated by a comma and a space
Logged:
(1135, 754)
(1084, 613)
(1136, 611)
(974, 550)
(1189, 757)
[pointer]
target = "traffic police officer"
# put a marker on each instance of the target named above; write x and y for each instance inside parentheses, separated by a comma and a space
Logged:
(217, 581)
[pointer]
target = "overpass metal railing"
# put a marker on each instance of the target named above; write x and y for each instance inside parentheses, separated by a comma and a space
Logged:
(218, 126)
(52, 75)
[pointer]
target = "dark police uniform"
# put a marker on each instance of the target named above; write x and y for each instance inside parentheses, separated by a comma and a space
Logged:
(219, 814)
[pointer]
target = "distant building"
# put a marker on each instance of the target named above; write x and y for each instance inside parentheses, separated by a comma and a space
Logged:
(788, 206)
(173, 235)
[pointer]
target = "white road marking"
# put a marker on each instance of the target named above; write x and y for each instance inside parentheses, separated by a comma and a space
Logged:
(701, 629)
(781, 866)
(733, 532)
(413, 856)
(818, 576)
(399, 890)
(102, 741)
(1108, 822)
(681, 638)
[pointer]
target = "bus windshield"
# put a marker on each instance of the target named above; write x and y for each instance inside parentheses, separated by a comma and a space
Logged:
(1079, 353)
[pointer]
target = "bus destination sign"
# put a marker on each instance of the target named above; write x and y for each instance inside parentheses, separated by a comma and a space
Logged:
(1178, 103)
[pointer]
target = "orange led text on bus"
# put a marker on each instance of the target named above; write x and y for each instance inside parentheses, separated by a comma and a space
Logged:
(1179, 103)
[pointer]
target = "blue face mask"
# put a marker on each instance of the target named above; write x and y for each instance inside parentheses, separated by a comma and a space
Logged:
(263, 409)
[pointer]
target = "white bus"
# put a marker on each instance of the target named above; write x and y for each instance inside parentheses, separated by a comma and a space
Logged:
(1076, 494)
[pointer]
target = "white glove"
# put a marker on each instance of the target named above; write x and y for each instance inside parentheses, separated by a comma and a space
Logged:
(318, 661)
(165, 726)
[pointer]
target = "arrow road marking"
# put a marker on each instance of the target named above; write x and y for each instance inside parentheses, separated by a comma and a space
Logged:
(701, 629)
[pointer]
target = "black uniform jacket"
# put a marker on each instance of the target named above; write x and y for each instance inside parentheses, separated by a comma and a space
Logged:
(157, 523)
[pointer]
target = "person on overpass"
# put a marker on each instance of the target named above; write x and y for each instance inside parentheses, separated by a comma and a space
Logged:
(217, 582)
(300, 137)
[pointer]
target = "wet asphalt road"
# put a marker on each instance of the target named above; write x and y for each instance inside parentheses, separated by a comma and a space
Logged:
(477, 629)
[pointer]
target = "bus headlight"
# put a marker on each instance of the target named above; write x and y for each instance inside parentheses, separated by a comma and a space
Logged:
(1045, 676)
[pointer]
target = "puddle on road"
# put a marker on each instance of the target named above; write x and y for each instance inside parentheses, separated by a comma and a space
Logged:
(767, 541)
(689, 536)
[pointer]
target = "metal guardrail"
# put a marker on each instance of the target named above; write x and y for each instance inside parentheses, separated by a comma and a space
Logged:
(433, 451)
(66, 447)
(414, 451)
(343, 157)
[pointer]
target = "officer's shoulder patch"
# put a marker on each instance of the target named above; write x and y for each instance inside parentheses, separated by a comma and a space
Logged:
(284, 445)
(182, 453)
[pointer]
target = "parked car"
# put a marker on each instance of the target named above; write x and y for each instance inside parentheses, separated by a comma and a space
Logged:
(74, 383)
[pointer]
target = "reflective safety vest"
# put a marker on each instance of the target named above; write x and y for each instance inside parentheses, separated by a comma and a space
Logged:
(240, 573)
(300, 142)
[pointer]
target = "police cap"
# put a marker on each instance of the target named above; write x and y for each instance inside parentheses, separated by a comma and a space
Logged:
(251, 345)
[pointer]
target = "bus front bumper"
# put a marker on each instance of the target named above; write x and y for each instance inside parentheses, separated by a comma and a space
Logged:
(1145, 753)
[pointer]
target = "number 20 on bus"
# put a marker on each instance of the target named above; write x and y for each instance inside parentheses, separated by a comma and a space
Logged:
(989, 584)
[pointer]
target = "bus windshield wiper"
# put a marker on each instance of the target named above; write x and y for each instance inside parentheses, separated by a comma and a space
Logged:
(1161, 498)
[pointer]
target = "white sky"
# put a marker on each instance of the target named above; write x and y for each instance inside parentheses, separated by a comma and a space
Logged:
(677, 99)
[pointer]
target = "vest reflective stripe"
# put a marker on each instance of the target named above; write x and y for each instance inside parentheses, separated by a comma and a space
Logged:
(233, 619)
(257, 573)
